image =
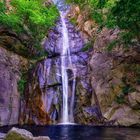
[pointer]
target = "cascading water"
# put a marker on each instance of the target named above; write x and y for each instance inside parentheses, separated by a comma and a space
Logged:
(67, 110)
(66, 64)
(57, 74)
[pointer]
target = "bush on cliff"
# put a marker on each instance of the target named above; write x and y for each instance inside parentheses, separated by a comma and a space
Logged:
(124, 14)
(29, 17)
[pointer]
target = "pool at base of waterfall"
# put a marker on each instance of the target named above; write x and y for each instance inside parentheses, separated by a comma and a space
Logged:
(80, 132)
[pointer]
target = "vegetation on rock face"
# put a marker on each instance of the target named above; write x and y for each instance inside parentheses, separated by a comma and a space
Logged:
(21, 85)
(29, 19)
(88, 46)
(115, 13)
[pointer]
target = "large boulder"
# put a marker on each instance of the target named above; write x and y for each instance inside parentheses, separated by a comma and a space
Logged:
(18, 134)
(22, 134)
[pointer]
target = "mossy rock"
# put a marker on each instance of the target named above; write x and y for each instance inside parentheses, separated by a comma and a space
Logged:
(18, 134)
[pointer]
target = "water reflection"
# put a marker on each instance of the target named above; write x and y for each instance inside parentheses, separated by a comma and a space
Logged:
(78, 132)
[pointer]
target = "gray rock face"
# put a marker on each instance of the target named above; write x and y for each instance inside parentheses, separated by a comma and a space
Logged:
(10, 65)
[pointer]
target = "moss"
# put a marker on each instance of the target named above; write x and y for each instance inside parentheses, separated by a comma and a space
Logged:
(87, 46)
(120, 99)
(22, 83)
(73, 21)
(14, 136)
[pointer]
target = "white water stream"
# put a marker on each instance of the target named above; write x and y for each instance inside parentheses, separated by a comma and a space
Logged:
(66, 63)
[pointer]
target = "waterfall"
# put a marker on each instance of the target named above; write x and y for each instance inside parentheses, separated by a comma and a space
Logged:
(66, 63)
(58, 82)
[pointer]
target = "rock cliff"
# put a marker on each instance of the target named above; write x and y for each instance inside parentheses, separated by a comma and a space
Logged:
(114, 75)
(11, 67)
(10, 73)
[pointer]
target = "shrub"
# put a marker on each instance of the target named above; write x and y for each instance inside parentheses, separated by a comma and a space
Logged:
(21, 85)
(29, 17)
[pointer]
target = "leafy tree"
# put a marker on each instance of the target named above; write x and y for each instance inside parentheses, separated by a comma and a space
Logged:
(30, 17)
(126, 14)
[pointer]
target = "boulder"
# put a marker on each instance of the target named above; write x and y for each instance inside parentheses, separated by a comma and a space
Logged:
(18, 134)
(22, 134)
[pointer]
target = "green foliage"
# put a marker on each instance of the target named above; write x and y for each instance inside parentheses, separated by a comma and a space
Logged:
(29, 17)
(21, 85)
(120, 99)
(125, 90)
(2, 7)
(73, 21)
(112, 44)
(124, 14)
(87, 46)
(98, 9)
